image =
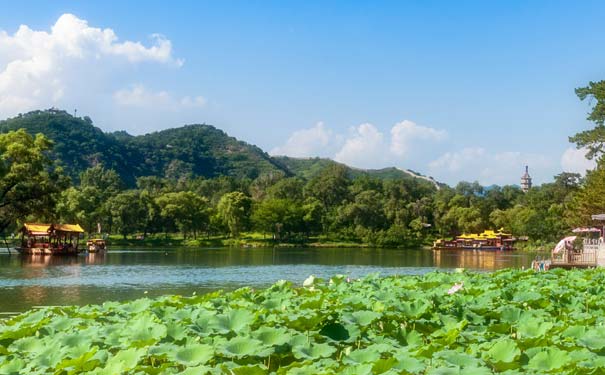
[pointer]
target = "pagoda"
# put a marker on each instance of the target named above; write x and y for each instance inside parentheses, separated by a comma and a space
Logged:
(526, 180)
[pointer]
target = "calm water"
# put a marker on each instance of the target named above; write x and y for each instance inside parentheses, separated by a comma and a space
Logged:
(127, 274)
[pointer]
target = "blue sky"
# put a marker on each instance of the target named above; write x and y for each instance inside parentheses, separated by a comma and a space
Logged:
(457, 90)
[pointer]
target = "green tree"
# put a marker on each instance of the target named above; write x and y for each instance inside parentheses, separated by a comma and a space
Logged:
(330, 186)
(589, 200)
(29, 182)
(234, 210)
(127, 212)
(593, 139)
(280, 217)
(189, 211)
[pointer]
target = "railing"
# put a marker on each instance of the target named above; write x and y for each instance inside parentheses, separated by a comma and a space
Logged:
(591, 242)
(574, 258)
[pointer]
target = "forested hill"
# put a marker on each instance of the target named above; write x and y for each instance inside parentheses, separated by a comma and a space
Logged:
(197, 150)
(191, 150)
(310, 167)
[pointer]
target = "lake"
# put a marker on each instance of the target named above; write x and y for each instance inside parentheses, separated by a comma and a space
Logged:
(26, 282)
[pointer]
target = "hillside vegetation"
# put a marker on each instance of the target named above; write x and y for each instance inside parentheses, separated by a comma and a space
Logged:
(201, 183)
(196, 150)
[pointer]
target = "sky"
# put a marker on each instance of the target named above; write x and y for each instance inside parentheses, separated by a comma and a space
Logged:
(465, 90)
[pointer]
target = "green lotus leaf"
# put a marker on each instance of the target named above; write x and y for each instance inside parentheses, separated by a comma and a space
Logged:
(62, 323)
(533, 328)
(12, 367)
(298, 340)
(524, 296)
(143, 330)
(271, 336)
(31, 345)
(50, 358)
(381, 366)
(594, 339)
(74, 340)
(175, 331)
(575, 332)
(193, 355)
(362, 318)
(249, 370)
(445, 371)
(165, 349)
(510, 314)
(362, 356)
(241, 347)
(414, 309)
(233, 321)
(504, 351)
(549, 360)
(313, 351)
(457, 358)
(123, 361)
(83, 363)
(197, 370)
(137, 306)
(359, 369)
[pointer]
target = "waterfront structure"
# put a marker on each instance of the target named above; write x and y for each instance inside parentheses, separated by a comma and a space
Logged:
(47, 239)
(488, 240)
(526, 180)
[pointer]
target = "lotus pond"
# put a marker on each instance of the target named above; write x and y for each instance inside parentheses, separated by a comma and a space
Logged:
(507, 322)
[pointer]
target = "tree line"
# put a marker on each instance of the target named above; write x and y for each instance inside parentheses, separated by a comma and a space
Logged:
(332, 204)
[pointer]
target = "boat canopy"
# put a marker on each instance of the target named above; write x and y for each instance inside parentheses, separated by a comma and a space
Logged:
(44, 229)
(586, 230)
(486, 235)
(72, 228)
(598, 217)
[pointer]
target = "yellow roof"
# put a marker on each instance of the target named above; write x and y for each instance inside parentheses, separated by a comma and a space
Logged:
(45, 228)
(37, 228)
(68, 228)
(487, 234)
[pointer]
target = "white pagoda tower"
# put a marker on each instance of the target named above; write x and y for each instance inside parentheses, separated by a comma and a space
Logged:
(526, 180)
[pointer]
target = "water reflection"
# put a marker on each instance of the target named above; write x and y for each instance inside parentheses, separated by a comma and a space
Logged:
(127, 274)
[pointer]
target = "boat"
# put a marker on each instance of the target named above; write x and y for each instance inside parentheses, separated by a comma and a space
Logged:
(487, 240)
(96, 245)
(584, 249)
(50, 239)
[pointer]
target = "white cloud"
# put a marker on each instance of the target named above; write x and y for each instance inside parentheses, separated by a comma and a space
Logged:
(405, 133)
(364, 148)
(455, 161)
(480, 164)
(75, 65)
(574, 160)
(139, 96)
(314, 141)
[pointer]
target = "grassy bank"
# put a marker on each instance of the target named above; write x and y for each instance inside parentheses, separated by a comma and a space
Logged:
(506, 322)
(248, 239)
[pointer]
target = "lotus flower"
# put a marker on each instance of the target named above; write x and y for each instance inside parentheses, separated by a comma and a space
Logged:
(456, 287)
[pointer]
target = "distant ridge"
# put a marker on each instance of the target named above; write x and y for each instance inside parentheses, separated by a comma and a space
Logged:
(191, 150)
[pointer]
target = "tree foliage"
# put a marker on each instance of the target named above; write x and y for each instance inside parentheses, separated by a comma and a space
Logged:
(29, 182)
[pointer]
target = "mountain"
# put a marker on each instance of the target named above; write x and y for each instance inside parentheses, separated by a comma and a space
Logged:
(197, 150)
(309, 167)
(200, 150)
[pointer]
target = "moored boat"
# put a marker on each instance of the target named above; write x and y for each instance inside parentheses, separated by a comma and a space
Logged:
(50, 239)
(96, 245)
(488, 240)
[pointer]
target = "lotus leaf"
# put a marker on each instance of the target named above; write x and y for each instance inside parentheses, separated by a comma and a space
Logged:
(241, 347)
(233, 321)
(549, 360)
(194, 355)
(314, 351)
